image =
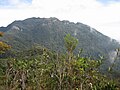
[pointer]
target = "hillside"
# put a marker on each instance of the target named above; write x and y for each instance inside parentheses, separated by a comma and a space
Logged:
(49, 32)
(44, 56)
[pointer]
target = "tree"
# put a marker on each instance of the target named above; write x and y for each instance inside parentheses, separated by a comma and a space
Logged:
(70, 44)
(51, 71)
(3, 46)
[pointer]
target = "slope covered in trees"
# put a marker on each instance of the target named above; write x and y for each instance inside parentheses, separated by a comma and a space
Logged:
(41, 69)
(49, 32)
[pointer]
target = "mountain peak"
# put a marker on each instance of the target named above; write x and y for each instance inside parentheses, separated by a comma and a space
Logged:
(50, 32)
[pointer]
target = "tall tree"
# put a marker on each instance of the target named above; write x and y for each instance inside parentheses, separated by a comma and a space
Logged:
(70, 44)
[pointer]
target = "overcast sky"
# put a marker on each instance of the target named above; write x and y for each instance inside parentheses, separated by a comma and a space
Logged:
(103, 15)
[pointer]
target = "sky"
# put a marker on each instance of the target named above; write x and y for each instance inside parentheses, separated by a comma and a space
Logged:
(103, 15)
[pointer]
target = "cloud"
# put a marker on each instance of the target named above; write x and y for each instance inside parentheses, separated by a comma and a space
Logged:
(7, 4)
(103, 17)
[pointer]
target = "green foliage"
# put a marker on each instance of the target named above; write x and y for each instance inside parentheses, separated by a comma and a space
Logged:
(3, 46)
(1, 34)
(49, 32)
(41, 69)
(70, 43)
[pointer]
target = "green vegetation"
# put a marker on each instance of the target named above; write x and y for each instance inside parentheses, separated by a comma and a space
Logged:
(3, 46)
(42, 69)
(49, 32)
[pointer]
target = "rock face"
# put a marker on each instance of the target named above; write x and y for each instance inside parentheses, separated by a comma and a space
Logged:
(50, 32)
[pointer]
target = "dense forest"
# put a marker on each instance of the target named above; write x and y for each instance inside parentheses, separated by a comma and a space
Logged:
(40, 68)
(50, 33)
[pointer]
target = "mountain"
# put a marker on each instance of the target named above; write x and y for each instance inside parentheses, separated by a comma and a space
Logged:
(50, 32)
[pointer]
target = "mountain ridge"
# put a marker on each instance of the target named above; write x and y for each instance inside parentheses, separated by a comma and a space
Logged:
(50, 32)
